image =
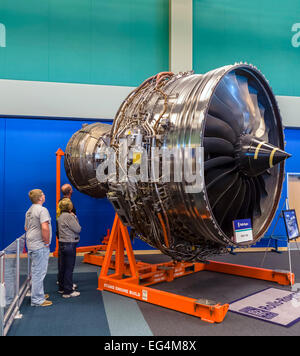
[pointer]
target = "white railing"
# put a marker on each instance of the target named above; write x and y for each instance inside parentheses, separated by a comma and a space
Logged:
(15, 280)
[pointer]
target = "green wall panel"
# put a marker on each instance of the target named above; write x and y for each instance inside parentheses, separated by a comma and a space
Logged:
(115, 42)
(257, 32)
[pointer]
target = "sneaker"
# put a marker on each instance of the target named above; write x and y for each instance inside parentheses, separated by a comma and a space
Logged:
(46, 303)
(47, 296)
(61, 291)
(72, 295)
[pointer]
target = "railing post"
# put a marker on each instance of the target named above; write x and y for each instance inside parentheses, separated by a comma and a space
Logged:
(2, 254)
(28, 266)
(18, 273)
(2, 293)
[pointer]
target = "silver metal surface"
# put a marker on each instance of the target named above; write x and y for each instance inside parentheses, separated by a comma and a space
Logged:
(81, 159)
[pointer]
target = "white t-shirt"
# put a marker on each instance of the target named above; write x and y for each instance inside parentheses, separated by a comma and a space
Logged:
(35, 216)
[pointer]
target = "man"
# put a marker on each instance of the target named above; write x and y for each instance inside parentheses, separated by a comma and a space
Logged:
(38, 238)
(67, 192)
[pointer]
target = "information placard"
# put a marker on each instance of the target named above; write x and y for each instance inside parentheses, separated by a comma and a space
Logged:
(291, 224)
(242, 230)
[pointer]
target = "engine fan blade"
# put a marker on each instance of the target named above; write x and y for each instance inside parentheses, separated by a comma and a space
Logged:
(235, 207)
(228, 92)
(258, 196)
(256, 119)
(218, 128)
(252, 205)
(217, 191)
(223, 205)
(244, 89)
(218, 146)
(262, 131)
(262, 185)
(216, 174)
(243, 213)
(220, 110)
(217, 162)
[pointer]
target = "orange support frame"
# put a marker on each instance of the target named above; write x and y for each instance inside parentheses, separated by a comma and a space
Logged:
(59, 154)
(132, 278)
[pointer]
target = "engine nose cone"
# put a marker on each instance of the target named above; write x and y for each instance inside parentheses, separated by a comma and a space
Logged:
(256, 156)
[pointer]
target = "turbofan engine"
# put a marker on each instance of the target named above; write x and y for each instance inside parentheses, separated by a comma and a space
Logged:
(222, 130)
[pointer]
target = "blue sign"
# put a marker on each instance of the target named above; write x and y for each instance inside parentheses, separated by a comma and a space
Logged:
(242, 230)
(291, 224)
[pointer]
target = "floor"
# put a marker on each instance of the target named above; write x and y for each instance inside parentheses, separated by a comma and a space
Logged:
(107, 314)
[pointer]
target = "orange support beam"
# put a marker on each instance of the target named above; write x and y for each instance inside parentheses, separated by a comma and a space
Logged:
(203, 309)
(280, 277)
(59, 154)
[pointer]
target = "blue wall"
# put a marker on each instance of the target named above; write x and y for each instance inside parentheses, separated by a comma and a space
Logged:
(27, 161)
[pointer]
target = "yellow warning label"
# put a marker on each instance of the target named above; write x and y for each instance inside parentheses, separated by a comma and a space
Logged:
(137, 157)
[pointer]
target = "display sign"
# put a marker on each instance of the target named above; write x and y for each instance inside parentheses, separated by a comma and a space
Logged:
(242, 230)
(291, 224)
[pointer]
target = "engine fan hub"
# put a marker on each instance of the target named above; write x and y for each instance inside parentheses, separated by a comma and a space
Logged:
(256, 157)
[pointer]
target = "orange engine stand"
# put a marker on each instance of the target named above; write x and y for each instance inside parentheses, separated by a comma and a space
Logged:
(132, 278)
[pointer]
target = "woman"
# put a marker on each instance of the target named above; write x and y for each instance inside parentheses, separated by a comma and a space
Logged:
(38, 238)
(68, 232)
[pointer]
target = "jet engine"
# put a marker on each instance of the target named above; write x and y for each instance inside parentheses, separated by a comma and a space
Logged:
(186, 155)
